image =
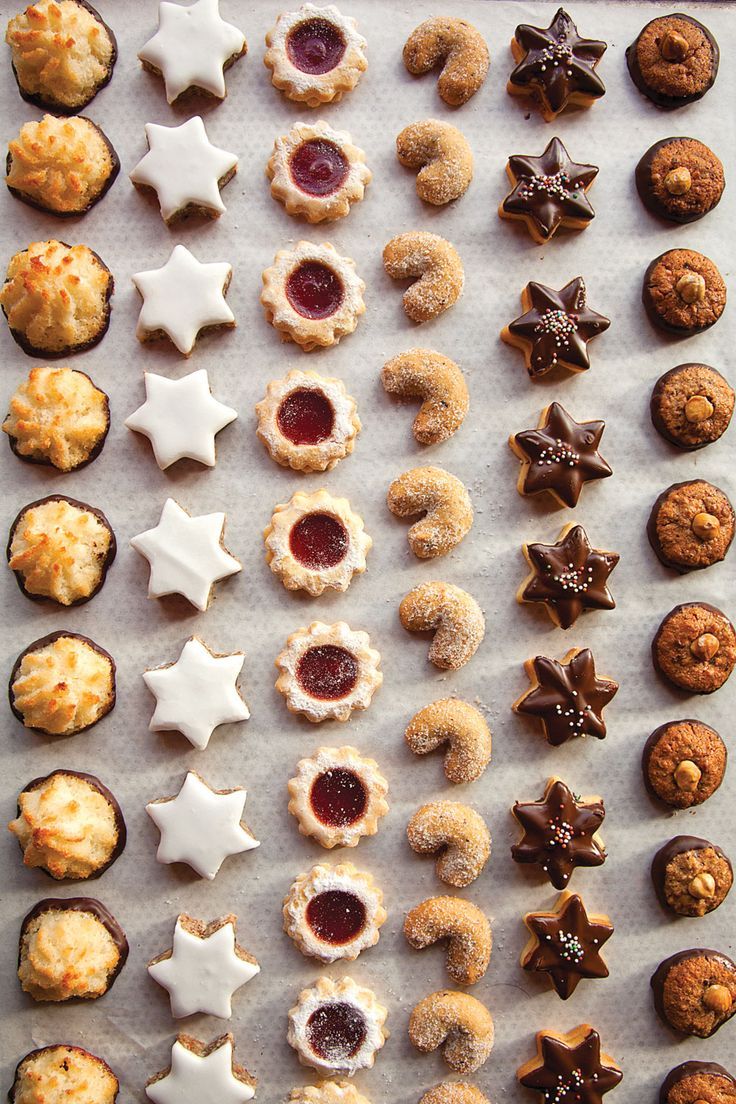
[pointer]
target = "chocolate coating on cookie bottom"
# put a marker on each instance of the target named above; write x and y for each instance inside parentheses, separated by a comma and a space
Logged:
(681, 845)
(691, 405)
(723, 967)
(709, 1070)
(692, 666)
(67, 1047)
(704, 767)
(659, 97)
(94, 452)
(700, 201)
(111, 178)
(690, 548)
(81, 904)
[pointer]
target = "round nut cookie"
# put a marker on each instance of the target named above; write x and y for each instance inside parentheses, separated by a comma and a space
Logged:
(691, 525)
(683, 292)
(691, 405)
(684, 763)
(673, 61)
(695, 647)
(680, 179)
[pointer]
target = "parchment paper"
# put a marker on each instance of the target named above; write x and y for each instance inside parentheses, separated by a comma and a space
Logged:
(131, 1027)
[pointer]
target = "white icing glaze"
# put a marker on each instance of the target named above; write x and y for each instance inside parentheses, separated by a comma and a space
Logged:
(197, 693)
(201, 826)
(181, 418)
(197, 1079)
(202, 973)
(183, 297)
(191, 46)
(183, 168)
(186, 554)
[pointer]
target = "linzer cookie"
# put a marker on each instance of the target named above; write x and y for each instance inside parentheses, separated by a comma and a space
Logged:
(691, 876)
(570, 1066)
(307, 422)
(312, 295)
(334, 912)
(337, 1026)
(556, 66)
(560, 456)
(680, 179)
(683, 292)
(674, 60)
(694, 1081)
(327, 671)
(568, 577)
(691, 525)
(315, 54)
(695, 991)
(338, 796)
(692, 405)
(555, 328)
(549, 193)
(695, 647)
(560, 832)
(566, 943)
(684, 763)
(317, 172)
(567, 697)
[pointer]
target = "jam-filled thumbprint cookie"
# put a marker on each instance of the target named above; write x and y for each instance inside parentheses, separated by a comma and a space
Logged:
(312, 295)
(315, 54)
(327, 671)
(317, 172)
(337, 1026)
(338, 796)
(307, 422)
(334, 912)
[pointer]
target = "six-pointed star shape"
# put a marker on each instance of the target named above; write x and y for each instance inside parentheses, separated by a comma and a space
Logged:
(192, 47)
(566, 944)
(186, 554)
(555, 328)
(204, 967)
(202, 1074)
(559, 832)
(549, 192)
(201, 826)
(570, 1068)
(556, 65)
(569, 576)
(197, 693)
(567, 697)
(183, 297)
(184, 169)
(181, 418)
(560, 456)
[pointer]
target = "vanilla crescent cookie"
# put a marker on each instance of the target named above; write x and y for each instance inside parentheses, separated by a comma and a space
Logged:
(443, 501)
(457, 1022)
(452, 614)
(338, 796)
(312, 295)
(435, 266)
(317, 172)
(454, 1092)
(337, 1026)
(460, 726)
(438, 382)
(328, 1092)
(327, 671)
(316, 542)
(458, 47)
(443, 156)
(307, 422)
(457, 833)
(315, 54)
(334, 912)
(466, 929)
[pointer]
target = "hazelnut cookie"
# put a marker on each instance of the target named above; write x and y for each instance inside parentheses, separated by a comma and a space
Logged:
(312, 295)
(315, 54)
(695, 991)
(693, 1081)
(673, 60)
(680, 179)
(317, 172)
(307, 422)
(691, 876)
(338, 796)
(337, 1026)
(691, 405)
(327, 671)
(691, 525)
(683, 292)
(695, 647)
(334, 912)
(684, 763)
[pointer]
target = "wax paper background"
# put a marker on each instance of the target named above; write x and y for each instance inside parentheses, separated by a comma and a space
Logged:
(131, 1027)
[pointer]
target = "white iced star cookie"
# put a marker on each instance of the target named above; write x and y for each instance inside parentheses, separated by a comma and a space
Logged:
(186, 554)
(181, 418)
(185, 170)
(204, 967)
(182, 298)
(202, 1074)
(201, 826)
(197, 693)
(192, 48)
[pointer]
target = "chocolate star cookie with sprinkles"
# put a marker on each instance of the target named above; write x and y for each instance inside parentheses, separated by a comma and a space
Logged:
(549, 192)
(560, 832)
(569, 1068)
(555, 328)
(569, 576)
(566, 944)
(556, 66)
(568, 697)
(560, 456)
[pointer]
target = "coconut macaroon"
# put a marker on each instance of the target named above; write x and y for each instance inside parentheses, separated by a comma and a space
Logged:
(62, 684)
(62, 166)
(63, 54)
(57, 416)
(69, 824)
(56, 298)
(70, 948)
(62, 1072)
(60, 549)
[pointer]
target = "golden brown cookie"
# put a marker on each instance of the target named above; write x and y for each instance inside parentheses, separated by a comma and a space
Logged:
(459, 725)
(458, 1023)
(458, 47)
(454, 1092)
(692, 405)
(683, 292)
(438, 382)
(62, 684)
(58, 417)
(457, 834)
(63, 1072)
(443, 156)
(695, 647)
(691, 525)
(466, 929)
(443, 501)
(453, 616)
(695, 991)
(435, 266)
(684, 763)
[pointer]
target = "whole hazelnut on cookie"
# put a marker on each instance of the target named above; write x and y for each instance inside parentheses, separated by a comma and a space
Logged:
(691, 525)
(695, 647)
(698, 1081)
(684, 763)
(680, 179)
(691, 876)
(683, 292)
(673, 61)
(691, 405)
(695, 991)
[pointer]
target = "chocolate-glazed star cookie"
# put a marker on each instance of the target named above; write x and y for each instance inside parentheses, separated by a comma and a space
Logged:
(566, 944)
(556, 66)
(560, 456)
(549, 192)
(567, 697)
(555, 329)
(569, 1068)
(568, 577)
(560, 832)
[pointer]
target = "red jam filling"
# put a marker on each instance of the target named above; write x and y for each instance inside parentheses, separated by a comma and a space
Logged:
(327, 672)
(336, 1031)
(318, 167)
(338, 797)
(318, 541)
(315, 46)
(306, 417)
(336, 916)
(314, 290)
